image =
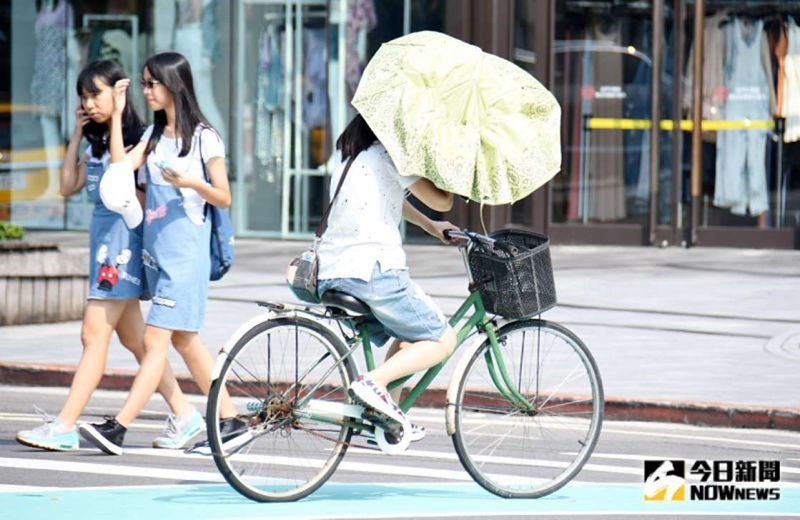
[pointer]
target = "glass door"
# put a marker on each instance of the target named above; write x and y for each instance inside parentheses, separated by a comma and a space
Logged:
(603, 67)
(289, 101)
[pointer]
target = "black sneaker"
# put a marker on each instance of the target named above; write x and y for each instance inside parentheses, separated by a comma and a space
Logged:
(234, 434)
(107, 436)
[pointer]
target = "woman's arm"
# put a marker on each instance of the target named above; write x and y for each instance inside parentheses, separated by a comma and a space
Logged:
(427, 193)
(73, 172)
(434, 228)
(217, 193)
(116, 144)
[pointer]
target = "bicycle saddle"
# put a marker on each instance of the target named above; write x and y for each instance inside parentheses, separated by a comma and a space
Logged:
(351, 305)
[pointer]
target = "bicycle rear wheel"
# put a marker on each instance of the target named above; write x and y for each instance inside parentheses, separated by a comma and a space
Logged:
(285, 454)
(516, 452)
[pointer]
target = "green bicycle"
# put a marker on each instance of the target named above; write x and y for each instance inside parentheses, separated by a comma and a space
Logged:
(524, 405)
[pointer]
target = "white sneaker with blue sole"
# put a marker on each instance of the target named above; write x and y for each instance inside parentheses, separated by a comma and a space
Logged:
(179, 431)
(52, 435)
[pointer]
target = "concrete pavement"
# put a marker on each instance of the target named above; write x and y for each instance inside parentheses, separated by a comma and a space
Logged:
(703, 336)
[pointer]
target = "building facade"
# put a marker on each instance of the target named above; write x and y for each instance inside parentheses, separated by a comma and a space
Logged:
(275, 78)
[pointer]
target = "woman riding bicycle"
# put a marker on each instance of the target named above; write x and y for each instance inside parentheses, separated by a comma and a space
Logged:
(361, 254)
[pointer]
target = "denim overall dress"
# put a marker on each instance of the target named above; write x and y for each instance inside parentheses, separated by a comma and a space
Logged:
(741, 177)
(177, 260)
(115, 263)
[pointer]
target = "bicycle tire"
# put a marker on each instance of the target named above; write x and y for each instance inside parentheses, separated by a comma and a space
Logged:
(524, 466)
(282, 444)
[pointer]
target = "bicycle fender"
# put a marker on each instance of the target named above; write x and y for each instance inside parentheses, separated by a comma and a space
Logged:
(455, 379)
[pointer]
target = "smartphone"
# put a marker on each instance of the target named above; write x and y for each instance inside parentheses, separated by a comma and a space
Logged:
(162, 164)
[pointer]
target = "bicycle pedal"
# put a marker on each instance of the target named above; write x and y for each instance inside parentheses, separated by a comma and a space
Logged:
(378, 418)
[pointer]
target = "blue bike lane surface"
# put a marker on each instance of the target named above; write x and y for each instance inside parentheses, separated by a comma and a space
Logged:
(354, 501)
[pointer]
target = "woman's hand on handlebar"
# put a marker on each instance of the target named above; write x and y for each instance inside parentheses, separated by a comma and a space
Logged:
(438, 228)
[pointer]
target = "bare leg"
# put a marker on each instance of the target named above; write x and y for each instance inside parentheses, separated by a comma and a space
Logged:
(131, 333)
(200, 363)
(151, 369)
(99, 320)
(413, 357)
(395, 347)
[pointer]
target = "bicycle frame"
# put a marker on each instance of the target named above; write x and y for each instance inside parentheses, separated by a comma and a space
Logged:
(494, 360)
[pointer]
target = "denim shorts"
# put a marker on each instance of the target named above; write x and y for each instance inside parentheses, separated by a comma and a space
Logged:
(400, 309)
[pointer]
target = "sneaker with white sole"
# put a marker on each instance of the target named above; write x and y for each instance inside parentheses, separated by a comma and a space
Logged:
(368, 392)
(417, 434)
(234, 434)
(107, 436)
(52, 435)
(179, 430)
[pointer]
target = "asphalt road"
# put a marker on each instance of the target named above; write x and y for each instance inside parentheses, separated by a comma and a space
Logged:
(426, 482)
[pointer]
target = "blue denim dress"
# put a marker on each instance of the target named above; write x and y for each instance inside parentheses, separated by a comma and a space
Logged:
(177, 260)
(115, 263)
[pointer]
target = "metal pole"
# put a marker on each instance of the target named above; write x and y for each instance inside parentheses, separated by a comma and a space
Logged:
(677, 132)
(780, 128)
(697, 117)
(655, 115)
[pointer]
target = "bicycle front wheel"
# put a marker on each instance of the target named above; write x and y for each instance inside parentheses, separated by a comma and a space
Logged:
(285, 453)
(533, 437)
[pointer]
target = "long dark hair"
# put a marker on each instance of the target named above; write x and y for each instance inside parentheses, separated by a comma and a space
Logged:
(109, 72)
(355, 138)
(174, 72)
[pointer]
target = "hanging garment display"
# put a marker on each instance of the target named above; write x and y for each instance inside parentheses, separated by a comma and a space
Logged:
(269, 99)
(194, 31)
(361, 18)
(741, 176)
(790, 94)
(714, 89)
(49, 59)
(315, 87)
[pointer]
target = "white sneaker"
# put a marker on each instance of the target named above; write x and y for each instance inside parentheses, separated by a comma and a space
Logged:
(417, 434)
(52, 435)
(369, 393)
(178, 431)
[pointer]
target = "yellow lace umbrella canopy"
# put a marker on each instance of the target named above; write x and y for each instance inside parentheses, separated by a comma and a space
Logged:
(474, 124)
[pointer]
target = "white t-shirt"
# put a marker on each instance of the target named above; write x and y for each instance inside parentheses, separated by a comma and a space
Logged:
(167, 150)
(364, 224)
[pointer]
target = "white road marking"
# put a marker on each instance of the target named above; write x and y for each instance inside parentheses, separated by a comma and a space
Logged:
(108, 469)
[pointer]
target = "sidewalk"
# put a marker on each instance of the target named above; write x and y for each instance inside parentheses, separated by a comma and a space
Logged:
(705, 336)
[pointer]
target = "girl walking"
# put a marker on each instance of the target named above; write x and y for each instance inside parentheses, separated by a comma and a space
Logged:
(116, 277)
(178, 152)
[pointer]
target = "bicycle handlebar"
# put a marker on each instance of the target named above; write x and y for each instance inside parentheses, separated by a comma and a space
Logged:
(449, 234)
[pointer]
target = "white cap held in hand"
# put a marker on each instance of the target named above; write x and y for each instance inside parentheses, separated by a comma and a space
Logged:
(118, 193)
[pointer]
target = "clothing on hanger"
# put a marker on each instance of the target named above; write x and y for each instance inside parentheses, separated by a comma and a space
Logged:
(790, 92)
(49, 59)
(741, 176)
(361, 18)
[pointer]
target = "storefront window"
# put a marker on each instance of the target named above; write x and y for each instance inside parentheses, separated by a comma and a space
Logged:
(749, 174)
(38, 104)
(603, 68)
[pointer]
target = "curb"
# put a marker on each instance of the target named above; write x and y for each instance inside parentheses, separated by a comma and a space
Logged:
(696, 413)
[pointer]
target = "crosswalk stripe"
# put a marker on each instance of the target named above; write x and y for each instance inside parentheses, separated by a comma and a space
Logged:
(109, 469)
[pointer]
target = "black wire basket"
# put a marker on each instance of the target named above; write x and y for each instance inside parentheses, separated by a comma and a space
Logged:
(515, 276)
